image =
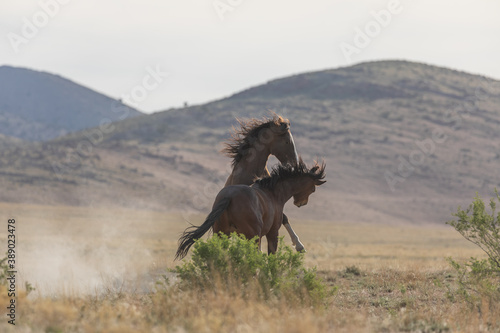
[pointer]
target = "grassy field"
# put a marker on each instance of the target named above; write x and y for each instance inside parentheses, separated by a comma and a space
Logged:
(96, 270)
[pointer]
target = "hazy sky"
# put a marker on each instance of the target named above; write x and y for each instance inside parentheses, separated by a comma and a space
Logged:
(211, 49)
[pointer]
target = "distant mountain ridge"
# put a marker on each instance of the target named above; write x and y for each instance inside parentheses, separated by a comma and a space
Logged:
(38, 106)
(403, 142)
(370, 81)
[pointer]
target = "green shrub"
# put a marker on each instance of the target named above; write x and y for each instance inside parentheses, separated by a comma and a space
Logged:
(237, 264)
(479, 280)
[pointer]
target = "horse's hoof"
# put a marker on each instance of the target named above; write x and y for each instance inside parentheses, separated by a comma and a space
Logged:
(300, 248)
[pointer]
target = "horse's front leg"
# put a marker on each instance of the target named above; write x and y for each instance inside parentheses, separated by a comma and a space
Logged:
(272, 241)
(299, 247)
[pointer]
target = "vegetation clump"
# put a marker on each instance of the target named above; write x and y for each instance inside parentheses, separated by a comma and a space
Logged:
(479, 280)
(236, 263)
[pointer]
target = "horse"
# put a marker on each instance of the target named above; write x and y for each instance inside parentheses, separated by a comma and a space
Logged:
(257, 210)
(250, 147)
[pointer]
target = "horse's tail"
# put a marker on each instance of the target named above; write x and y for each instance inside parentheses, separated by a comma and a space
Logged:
(193, 233)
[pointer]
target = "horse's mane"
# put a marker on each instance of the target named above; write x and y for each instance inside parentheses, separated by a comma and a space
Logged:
(244, 137)
(287, 171)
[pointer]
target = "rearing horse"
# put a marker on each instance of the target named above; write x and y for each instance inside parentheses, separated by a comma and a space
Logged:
(250, 148)
(257, 210)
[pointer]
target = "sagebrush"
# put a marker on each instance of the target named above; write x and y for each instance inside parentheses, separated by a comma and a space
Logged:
(479, 279)
(235, 262)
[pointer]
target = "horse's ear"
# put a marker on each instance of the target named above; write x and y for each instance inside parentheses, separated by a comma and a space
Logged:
(320, 182)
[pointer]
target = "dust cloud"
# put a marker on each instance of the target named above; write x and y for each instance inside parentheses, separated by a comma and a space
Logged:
(76, 250)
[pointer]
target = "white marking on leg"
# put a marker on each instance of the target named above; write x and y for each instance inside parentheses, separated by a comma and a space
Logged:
(295, 239)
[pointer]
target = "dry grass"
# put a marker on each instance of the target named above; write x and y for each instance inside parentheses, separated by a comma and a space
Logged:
(94, 271)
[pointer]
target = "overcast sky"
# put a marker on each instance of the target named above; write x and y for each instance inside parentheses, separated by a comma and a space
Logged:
(211, 49)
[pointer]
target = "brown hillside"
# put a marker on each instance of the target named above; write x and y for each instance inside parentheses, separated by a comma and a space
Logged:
(403, 142)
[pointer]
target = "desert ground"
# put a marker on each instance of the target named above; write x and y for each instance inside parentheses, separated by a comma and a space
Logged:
(96, 270)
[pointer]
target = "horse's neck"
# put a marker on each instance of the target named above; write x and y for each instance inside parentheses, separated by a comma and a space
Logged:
(285, 189)
(249, 167)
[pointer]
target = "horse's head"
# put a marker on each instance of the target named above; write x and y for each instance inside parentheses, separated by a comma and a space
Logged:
(300, 199)
(308, 185)
(281, 144)
(298, 181)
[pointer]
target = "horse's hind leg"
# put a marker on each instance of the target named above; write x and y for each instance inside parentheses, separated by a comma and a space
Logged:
(299, 247)
(272, 241)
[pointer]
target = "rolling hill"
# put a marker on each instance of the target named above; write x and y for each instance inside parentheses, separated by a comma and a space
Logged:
(403, 142)
(39, 106)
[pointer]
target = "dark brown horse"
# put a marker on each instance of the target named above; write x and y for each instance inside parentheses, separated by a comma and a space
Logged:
(250, 148)
(257, 210)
